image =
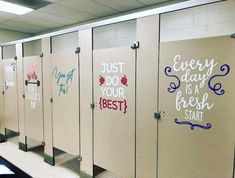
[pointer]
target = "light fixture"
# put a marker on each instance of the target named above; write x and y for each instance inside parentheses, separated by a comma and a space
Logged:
(14, 8)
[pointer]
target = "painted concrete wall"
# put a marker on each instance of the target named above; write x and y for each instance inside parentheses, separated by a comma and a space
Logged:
(32, 48)
(8, 35)
(114, 35)
(203, 21)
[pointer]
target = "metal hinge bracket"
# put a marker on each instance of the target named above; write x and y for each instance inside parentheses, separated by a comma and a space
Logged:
(135, 45)
(78, 50)
(157, 115)
(92, 105)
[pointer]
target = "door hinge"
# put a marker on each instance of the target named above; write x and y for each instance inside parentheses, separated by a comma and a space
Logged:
(23, 95)
(135, 45)
(79, 158)
(92, 105)
(51, 100)
(41, 55)
(78, 49)
(157, 115)
(3, 92)
(15, 58)
(232, 35)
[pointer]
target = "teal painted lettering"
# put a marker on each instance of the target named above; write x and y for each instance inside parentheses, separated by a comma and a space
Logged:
(62, 80)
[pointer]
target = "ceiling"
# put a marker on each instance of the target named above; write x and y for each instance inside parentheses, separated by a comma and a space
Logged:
(62, 13)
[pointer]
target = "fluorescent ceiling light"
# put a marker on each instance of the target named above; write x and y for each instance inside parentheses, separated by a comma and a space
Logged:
(14, 8)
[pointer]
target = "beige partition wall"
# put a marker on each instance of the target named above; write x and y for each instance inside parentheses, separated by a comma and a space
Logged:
(9, 65)
(198, 127)
(20, 81)
(32, 83)
(47, 105)
(114, 82)
(114, 116)
(65, 73)
(86, 122)
(196, 132)
(146, 97)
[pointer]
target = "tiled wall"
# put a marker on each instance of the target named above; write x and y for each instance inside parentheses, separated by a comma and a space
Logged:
(65, 43)
(114, 35)
(9, 52)
(7, 36)
(204, 21)
(32, 48)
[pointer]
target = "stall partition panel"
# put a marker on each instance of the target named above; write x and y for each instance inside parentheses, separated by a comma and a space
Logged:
(33, 97)
(114, 114)
(10, 94)
(196, 131)
(65, 91)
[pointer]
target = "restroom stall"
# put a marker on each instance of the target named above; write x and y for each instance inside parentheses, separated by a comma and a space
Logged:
(65, 91)
(114, 83)
(33, 91)
(9, 69)
(196, 129)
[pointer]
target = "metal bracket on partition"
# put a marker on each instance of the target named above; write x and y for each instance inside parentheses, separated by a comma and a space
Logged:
(43, 143)
(41, 55)
(23, 95)
(15, 58)
(78, 50)
(92, 105)
(135, 45)
(3, 92)
(79, 158)
(233, 35)
(51, 100)
(157, 115)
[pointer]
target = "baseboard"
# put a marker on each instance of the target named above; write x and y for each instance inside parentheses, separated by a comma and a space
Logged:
(84, 175)
(23, 146)
(49, 159)
(2, 138)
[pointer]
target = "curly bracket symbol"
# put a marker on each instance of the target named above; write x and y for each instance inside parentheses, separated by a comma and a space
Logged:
(217, 87)
(173, 85)
(208, 125)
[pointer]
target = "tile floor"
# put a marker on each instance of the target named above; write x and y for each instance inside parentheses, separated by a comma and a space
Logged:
(32, 162)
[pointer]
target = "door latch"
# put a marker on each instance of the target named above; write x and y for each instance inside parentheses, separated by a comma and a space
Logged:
(157, 115)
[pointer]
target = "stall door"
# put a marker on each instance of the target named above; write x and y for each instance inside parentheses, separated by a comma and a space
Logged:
(114, 114)
(196, 131)
(10, 94)
(65, 91)
(33, 97)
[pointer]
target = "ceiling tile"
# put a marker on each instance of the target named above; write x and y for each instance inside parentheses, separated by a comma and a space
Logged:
(151, 2)
(121, 6)
(36, 21)
(91, 7)
(23, 27)
(66, 12)
(39, 15)
(6, 15)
